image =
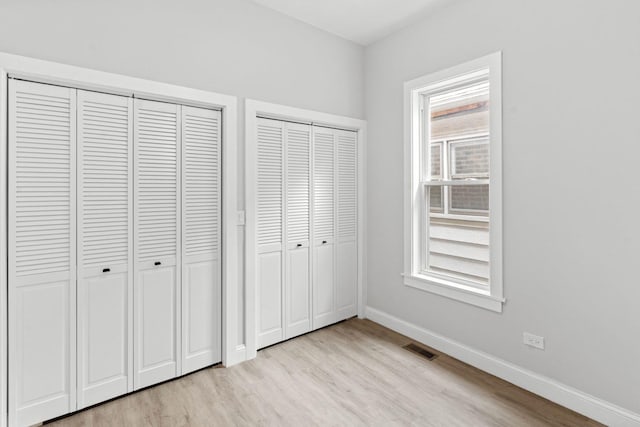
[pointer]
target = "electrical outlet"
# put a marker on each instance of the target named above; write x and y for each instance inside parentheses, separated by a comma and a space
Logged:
(533, 340)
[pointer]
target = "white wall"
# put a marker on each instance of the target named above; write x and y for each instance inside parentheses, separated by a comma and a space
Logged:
(571, 96)
(228, 46)
(233, 47)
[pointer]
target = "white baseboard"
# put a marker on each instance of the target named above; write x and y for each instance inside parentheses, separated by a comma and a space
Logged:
(235, 356)
(576, 400)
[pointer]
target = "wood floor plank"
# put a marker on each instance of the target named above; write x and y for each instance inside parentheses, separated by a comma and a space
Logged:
(355, 373)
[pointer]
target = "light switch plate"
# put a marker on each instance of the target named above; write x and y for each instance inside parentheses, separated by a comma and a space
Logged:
(241, 218)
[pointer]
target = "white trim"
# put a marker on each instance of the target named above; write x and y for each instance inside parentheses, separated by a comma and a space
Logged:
(3, 248)
(253, 110)
(576, 400)
(238, 355)
(456, 291)
(84, 78)
(414, 91)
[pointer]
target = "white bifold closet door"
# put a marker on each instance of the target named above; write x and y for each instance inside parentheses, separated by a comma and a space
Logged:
(324, 212)
(105, 255)
(347, 224)
(269, 231)
(335, 225)
(157, 211)
(297, 292)
(201, 223)
(42, 252)
(283, 230)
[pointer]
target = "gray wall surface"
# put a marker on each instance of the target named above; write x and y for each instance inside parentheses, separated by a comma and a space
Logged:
(571, 90)
(234, 47)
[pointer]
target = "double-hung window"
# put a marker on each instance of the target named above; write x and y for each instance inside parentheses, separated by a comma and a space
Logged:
(453, 202)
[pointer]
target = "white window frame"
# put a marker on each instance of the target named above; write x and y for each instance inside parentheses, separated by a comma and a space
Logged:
(414, 91)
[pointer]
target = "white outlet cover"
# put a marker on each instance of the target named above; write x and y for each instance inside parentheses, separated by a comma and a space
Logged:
(533, 340)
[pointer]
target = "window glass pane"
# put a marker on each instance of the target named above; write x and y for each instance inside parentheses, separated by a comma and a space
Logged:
(458, 247)
(435, 198)
(470, 158)
(436, 161)
(460, 112)
(470, 198)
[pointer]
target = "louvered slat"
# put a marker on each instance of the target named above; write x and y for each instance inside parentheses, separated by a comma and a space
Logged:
(157, 179)
(347, 170)
(297, 186)
(201, 162)
(103, 140)
(43, 174)
(323, 183)
(269, 176)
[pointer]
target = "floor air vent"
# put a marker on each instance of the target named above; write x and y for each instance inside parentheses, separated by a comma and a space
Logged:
(420, 351)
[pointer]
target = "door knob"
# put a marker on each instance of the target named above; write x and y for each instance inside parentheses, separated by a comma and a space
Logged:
(157, 263)
(106, 270)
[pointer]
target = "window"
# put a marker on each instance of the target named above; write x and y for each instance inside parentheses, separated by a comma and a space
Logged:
(453, 231)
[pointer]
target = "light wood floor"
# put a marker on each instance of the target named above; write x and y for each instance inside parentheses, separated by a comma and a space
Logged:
(351, 374)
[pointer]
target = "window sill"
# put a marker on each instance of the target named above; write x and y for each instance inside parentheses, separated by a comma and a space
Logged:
(455, 291)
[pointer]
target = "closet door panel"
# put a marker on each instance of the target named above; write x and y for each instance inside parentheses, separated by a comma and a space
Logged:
(297, 194)
(323, 286)
(156, 241)
(103, 364)
(347, 280)
(42, 323)
(201, 315)
(323, 185)
(298, 295)
(323, 227)
(347, 225)
(269, 299)
(105, 291)
(269, 212)
(156, 315)
(201, 268)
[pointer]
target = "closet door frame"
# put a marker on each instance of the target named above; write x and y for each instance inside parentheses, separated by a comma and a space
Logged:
(16, 66)
(257, 109)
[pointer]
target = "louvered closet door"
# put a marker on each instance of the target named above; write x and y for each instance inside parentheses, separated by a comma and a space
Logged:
(156, 241)
(347, 225)
(42, 255)
(269, 211)
(323, 227)
(201, 260)
(297, 193)
(105, 258)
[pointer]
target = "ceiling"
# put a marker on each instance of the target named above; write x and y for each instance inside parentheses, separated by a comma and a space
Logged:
(361, 21)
